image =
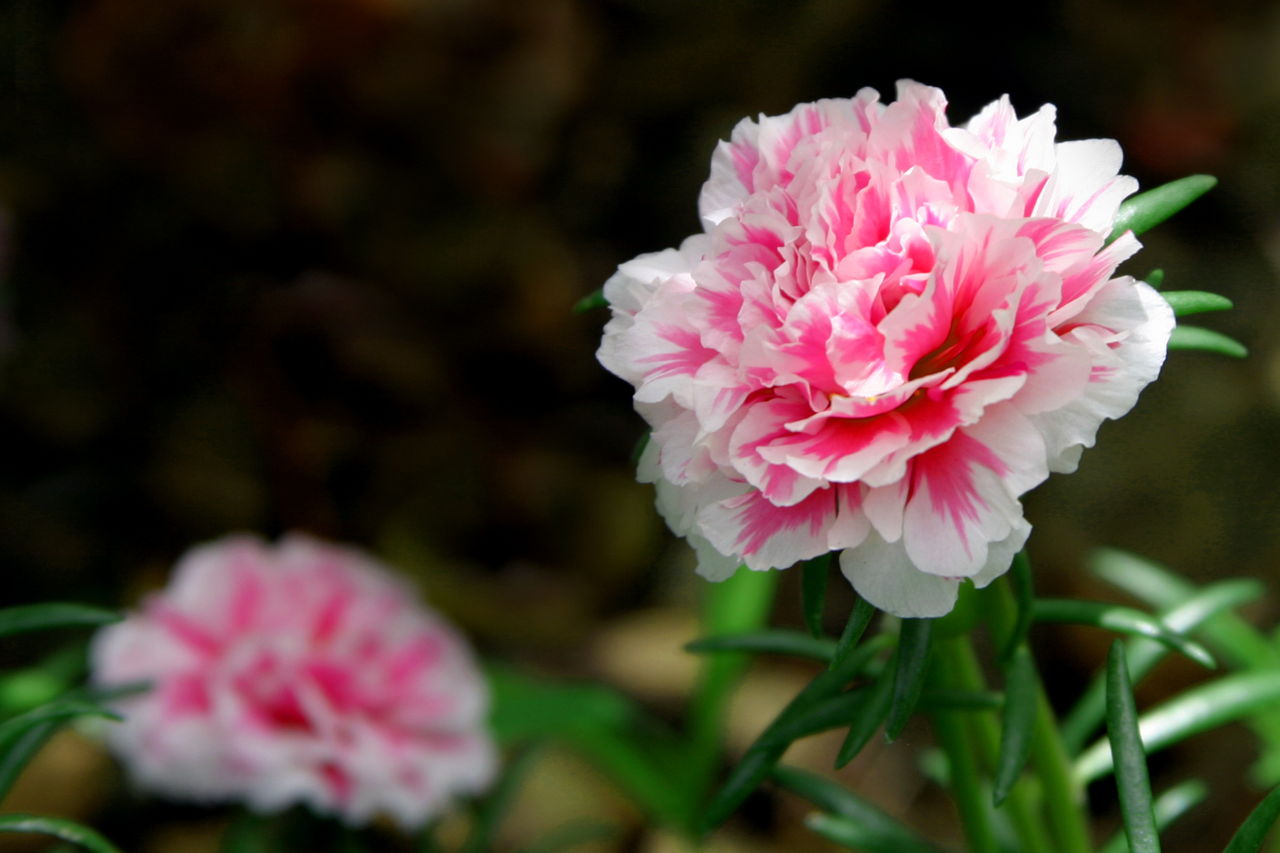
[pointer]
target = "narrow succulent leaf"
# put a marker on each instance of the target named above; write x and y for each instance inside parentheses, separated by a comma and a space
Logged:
(1207, 340)
(1249, 837)
(1124, 620)
(911, 664)
(633, 765)
(39, 617)
(867, 717)
(1130, 760)
(1147, 210)
(876, 830)
(1168, 807)
(1187, 302)
(948, 699)
(22, 736)
(1155, 278)
(1024, 598)
(1143, 655)
(594, 299)
(859, 618)
(817, 702)
(1235, 640)
(60, 828)
(1185, 337)
(828, 713)
(813, 592)
(494, 807)
(774, 642)
(1017, 723)
(1199, 709)
(745, 777)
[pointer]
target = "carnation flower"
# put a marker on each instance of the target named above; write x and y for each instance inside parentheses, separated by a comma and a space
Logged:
(300, 673)
(887, 332)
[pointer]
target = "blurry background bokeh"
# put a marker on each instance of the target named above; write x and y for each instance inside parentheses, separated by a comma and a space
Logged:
(308, 264)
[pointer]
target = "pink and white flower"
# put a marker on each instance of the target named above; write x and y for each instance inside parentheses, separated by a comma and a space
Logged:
(888, 330)
(299, 673)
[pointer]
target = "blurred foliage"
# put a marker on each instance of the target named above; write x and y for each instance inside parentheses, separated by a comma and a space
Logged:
(309, 264)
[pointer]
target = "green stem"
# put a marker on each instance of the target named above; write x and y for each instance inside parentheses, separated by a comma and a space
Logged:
(741, 603)
(1063, 793)
(971, 797)
(1022, 803)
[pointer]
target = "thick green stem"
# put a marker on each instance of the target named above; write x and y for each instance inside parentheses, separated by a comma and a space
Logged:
(1022, 804)
(741, 603)
(1063, 793)
(971, 795)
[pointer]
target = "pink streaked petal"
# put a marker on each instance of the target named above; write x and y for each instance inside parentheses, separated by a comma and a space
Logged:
(963, 493)
(841, 450)
(881, 573)
(765, 425)
(769, 536)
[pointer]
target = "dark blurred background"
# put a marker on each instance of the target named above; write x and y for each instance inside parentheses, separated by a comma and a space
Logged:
(308, 264)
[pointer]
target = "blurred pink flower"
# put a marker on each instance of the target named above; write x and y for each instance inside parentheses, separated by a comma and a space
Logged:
(888, 331)
(299, 673)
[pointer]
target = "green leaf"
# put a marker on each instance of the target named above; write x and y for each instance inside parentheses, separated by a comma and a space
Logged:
(1130, 761)
(1235, 640)
(39, 617)
(1155, 278)
(813, 592)
(1124, 620)
(1197, 338)
(1249, 837)
(494, 807)
(949, 699)
(859, 618)
(1187, 302)
(606, 727)
(1168, 807)
(812, 702)
(1017, 723)
(777, 642)
(827, 713)
(756, 765)
(866, 718)
(1147, 210)
(738, 605)
(853, 821)
(912, 662)
(526, 708)
(594, 299)
(1143, 655)
(1199, 709)
(65, 830)
(1024, 597)
(22, 736)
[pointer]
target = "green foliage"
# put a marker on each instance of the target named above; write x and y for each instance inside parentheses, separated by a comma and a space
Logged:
(1129, 758)
(1124, 620)
(1146, 210)
(776, 642)
(848, 819)
(1017, 722)
(65, 830)
(42, 617)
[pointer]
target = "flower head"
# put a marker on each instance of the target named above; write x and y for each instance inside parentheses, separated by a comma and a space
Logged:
(888, 330)
(299, 673)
